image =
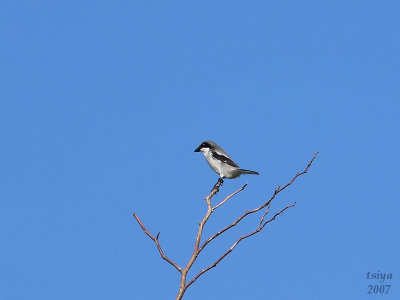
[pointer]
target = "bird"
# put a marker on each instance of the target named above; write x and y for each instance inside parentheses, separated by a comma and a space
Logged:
(220, 161)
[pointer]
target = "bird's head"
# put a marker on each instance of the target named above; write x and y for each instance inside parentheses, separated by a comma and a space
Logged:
(205, 146)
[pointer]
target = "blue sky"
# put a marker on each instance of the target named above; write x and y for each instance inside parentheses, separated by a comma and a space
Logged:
(103, 103)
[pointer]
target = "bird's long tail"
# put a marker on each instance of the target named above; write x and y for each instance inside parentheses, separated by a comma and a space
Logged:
(248, 172)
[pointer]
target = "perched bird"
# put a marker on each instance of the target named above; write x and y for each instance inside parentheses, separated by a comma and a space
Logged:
(220, 161)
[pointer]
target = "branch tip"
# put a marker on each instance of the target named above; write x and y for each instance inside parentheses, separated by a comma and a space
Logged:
(155, 240)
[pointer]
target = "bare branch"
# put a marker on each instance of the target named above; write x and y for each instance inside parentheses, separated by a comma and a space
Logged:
(155, 239)
(277, 214)
(183, 286)
(278, 190)
(298, 174)
(259, 228)
(197, 248)
(229, 196)
(266, 213)
(232, 225)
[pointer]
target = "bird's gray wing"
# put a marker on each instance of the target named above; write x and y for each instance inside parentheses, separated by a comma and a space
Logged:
(224, 158)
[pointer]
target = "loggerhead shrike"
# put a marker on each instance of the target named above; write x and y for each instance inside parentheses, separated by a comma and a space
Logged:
(220, 161)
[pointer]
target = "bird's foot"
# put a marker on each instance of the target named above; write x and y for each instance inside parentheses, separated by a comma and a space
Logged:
(217, 185)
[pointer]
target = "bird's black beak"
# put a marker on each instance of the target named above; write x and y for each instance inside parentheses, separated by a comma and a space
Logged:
(197, 149)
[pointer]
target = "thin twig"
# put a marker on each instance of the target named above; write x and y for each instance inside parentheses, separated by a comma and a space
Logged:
(229, 196)
(277, 214)
(155, 239)
(298, 174)
(266, 213)
(183, 286)
(259, 228)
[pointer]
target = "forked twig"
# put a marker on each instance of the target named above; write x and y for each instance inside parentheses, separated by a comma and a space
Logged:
(155, 239)
(259, 228)
(229, 196)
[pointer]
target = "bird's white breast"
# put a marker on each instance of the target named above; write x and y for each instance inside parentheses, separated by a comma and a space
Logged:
(221, 168)
(212, 162)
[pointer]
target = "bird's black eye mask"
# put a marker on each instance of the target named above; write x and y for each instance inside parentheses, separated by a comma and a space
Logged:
(206, 145)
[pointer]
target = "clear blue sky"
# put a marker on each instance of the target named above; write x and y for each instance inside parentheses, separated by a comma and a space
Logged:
(103, 103)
